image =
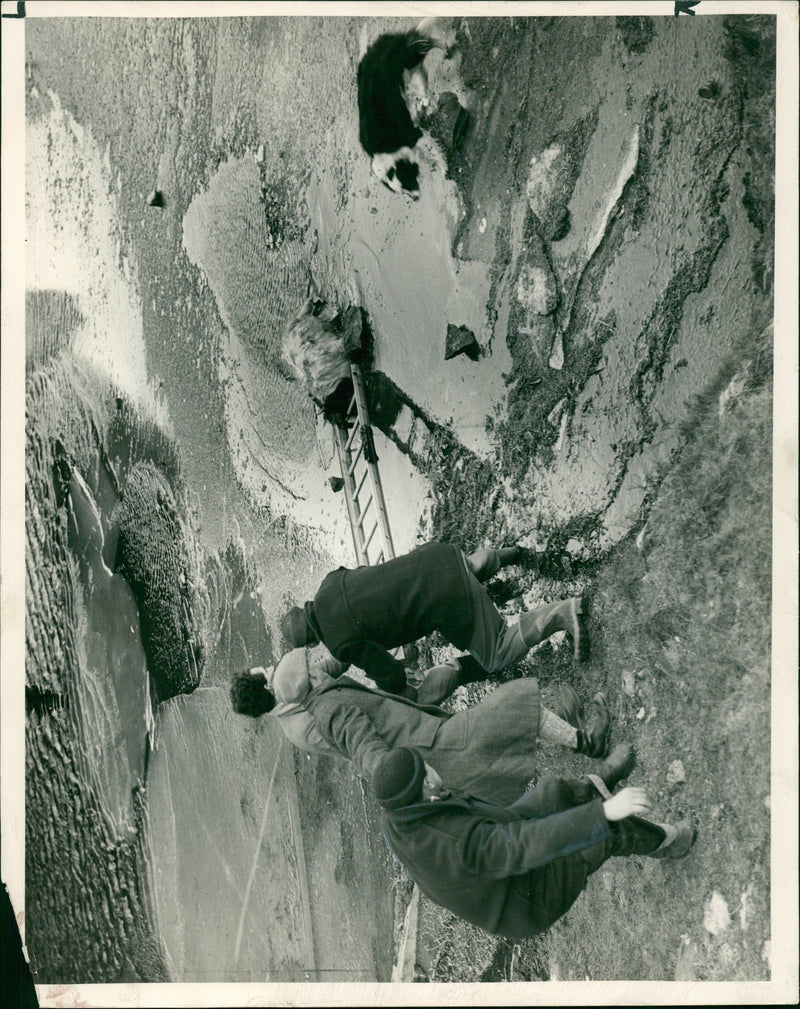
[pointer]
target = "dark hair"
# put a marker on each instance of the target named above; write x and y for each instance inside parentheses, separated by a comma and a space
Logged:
(250, 695)
(295, 629)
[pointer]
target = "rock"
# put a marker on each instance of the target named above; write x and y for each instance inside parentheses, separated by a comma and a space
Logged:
(337, 483)
(686, 964)
(155, 199)
(717, 917)
(629, 683)
(260, 153)
(576, 548)
(562, 430)
(676, 775)
(461, 340)
(733, 390)
(744, 907)
(555, 414)
(557, 352)
(153, 557)
(640, 714)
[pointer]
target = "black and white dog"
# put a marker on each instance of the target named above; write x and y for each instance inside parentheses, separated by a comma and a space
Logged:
(386, 129)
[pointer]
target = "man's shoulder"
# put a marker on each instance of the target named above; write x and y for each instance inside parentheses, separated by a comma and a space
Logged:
(336, 691)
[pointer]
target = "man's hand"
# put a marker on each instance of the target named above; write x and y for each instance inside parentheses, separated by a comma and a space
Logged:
(628, 802)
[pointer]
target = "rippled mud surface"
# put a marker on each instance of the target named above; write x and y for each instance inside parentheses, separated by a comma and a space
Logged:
(604, 235)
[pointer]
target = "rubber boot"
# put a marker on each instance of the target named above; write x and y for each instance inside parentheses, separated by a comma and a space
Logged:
(537, 625)
(470, 670)
(678, 841)
(592, 731)
(617, 765)
(485, 563)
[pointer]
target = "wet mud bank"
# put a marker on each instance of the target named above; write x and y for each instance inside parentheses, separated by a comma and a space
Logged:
(625, 232)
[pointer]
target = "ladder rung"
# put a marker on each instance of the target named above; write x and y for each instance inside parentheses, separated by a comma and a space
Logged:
(354, 457)
(368, 540)
(360, 484)
(351, 436)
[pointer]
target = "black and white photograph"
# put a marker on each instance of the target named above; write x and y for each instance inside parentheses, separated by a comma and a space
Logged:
(399, 502)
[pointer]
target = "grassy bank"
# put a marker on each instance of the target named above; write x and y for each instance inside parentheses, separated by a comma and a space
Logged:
(680, 623)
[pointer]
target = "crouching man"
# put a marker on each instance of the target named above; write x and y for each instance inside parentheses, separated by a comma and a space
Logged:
(514, 870)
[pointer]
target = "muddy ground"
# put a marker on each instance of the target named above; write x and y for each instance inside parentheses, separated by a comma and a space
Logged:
(606, 236)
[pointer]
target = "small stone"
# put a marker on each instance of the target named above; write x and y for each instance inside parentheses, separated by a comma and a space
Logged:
(685, 965)
(629, 683)
(461, 340)
(555, 414)
(562, 430)
(259, 155)
(337, 483)
(676, 775)
(717, 917)
(155, 199)
(557, 352)
(744, 907)
(640, 714)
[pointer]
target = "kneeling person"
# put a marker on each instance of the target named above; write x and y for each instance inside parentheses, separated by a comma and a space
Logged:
(514, 870)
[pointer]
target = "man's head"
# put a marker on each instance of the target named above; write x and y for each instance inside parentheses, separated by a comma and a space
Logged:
(251, 694)
(295, 629)
(402, 777)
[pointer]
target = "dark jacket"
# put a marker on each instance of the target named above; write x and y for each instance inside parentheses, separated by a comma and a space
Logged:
(488, 750)
(362, 612)
(489, 864)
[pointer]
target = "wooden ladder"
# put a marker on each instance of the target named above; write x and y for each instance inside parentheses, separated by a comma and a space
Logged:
(363, 490)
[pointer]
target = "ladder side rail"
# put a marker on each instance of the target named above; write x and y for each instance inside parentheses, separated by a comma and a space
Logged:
(374, 475)
(353, 510)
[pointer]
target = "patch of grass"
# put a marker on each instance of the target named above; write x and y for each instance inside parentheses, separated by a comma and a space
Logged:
(687, 613)
(689, 616)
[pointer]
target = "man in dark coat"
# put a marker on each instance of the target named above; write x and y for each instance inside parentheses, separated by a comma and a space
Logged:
(514, 870)
(359, 614)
